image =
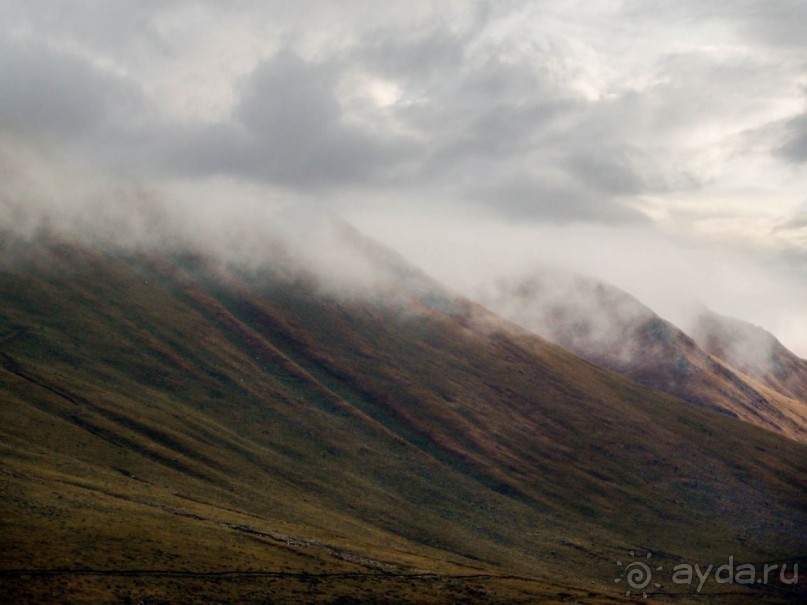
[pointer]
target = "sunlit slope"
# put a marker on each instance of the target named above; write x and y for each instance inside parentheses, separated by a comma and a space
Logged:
(164, 414)
(609, 327)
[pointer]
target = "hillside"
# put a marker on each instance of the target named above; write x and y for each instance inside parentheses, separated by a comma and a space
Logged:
(179, 429)
(753, 351)
(720, 369)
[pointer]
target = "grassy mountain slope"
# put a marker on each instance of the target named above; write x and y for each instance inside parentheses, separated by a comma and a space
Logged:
(614, 330)
(177, 430)
(754, 352)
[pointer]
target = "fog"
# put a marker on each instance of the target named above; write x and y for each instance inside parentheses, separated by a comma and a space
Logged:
(675, 276)
(47, 196)
(658, 147)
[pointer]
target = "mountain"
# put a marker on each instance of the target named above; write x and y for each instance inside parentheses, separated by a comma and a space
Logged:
(753, 351)
(182, 427)
(721, 369)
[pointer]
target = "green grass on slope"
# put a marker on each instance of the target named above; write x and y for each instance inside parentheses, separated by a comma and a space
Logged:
(275, 445)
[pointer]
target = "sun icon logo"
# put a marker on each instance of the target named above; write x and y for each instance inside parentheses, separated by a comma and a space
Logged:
(637, 575)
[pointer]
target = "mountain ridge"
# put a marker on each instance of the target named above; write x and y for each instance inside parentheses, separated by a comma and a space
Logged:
(182, 415)
(612, 329)
(754, 351)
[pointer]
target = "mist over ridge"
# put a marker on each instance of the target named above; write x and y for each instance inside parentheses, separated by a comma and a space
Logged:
(414, 302)
(45, 192)
(658, 148)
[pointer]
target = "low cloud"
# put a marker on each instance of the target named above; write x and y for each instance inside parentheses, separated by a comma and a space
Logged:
(644, 142)
(794, 147)
(673, 275)
(46, 196)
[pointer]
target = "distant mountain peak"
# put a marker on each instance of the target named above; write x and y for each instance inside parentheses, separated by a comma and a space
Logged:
(722, 364)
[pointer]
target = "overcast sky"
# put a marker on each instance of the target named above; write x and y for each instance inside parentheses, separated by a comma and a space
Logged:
(662, 133)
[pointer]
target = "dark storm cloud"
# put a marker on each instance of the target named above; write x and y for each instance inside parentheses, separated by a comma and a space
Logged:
(420, 57)
(606, 170)
(553, 199)
(794, 147)
(491, 109)
(472, 117)
(516, 123)
(488, 117)
(778, 23)
(52, 93)
(289, 128)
